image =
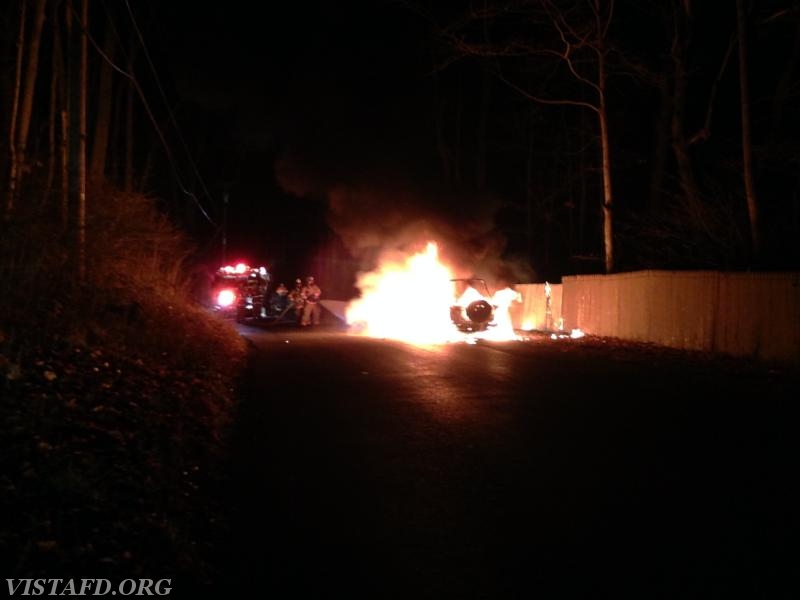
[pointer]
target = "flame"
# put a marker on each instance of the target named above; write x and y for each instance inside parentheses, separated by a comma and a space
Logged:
(502, 327)
(409, 299)
(406, 299)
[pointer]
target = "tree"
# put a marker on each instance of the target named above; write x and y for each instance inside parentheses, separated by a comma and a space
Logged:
(700, 217)
(747, 149)
(102, 124)
(20, 123)
(82, 132)
(57, 121)
(12, 127)
(698, 210)
(576, 41)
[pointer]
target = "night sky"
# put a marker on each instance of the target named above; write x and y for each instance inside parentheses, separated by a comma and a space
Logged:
(315, 118)
(323, 124)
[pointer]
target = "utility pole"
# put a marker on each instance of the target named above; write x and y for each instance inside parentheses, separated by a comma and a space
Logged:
(82, 132)
(225, 229)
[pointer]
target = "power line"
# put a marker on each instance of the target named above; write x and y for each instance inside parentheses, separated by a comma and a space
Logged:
(164, 97)
(150, 114)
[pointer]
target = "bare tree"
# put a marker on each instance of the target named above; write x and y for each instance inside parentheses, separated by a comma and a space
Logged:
(66, 111)
(27, 61)
(682, 21)
(747, 149)
(28, 92)
(57, 99)
(12, 128)
(129, 114)
(51, 119)
(783, 92)
(102, 125)
(579, 45)
(82, 131)
(694, 218)
(681, 143)
(696, 210)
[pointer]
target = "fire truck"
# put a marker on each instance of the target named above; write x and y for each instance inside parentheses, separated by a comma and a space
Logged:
(240, 291)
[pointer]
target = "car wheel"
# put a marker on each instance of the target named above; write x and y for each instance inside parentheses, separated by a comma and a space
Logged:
(479, 311)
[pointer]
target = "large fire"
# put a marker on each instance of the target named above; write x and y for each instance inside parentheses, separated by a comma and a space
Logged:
(409, 298)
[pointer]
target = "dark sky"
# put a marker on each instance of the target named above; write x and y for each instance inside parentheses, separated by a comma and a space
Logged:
(319, 120)
(301, 68)
(316, 117)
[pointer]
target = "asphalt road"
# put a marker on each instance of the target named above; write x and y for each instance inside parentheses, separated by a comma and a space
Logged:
(544, 468)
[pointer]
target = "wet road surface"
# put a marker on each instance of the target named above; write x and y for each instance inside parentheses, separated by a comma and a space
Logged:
(369, 468)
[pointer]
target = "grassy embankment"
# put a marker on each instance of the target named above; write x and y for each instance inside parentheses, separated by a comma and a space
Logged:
(117, 393)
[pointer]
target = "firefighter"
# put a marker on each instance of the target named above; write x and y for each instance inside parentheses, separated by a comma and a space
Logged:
(297, 299)
(279, 300)
(311, 311)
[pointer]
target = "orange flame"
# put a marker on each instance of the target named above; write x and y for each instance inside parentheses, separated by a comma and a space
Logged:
(409, 299)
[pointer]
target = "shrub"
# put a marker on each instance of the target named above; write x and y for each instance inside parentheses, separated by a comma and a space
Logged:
(136, 293)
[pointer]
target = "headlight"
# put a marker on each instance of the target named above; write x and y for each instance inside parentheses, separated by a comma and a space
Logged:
(225, 298)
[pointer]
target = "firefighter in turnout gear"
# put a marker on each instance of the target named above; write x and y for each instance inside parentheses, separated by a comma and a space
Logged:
(297, 299)
(312, 309)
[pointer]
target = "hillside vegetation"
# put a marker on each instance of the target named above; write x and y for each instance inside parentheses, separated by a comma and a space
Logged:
(118, 388)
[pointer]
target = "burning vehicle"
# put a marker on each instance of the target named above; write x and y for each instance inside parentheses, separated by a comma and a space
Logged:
(239, 291)
(487, 316)
(474, 310)
(390, 304)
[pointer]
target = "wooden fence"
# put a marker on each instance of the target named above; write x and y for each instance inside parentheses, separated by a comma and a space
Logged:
(741, 314)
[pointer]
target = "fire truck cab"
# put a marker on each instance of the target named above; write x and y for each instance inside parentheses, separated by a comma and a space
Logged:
(240, 291)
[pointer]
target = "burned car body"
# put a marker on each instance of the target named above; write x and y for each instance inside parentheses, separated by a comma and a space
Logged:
(473, 311)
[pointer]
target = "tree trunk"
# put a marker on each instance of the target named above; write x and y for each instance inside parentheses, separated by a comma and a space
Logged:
(608, 196)
(583, 196)
(12, 127)
(65, 183)
(660, 148)
(783, 92)
(103, 121)
(56, 97)
(66, 65)
(51, 137)
(128, 184)
(680, 144)
(147, 168)
(84, 68)
(114, 166)
(747, 150)
(129, 114)
(28, 91)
